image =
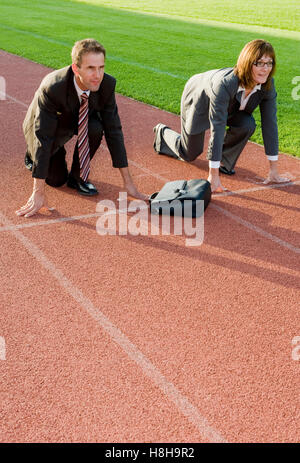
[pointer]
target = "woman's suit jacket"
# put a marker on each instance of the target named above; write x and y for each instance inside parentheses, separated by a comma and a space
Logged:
(210, 98)
(52, 118)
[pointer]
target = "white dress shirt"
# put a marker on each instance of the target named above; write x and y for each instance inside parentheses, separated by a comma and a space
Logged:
(79, 91)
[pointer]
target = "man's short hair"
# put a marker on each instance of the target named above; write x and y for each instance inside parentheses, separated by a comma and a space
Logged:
(250, 54)
(81, 47)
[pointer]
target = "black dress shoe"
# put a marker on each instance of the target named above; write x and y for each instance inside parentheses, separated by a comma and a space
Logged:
(28, 162)
(83, 188)
(226, 171)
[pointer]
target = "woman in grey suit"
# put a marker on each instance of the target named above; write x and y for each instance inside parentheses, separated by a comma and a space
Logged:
(226, 98)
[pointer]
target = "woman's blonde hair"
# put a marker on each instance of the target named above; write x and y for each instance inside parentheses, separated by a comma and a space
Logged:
(250, 54)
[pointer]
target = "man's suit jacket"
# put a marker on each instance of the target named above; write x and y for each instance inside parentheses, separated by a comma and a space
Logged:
(210, 98)
(52, 118)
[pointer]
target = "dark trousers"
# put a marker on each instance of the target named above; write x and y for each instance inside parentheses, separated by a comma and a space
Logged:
(188, 147)
(58, 172)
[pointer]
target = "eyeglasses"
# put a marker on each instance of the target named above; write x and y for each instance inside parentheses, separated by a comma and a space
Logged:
(261, 64)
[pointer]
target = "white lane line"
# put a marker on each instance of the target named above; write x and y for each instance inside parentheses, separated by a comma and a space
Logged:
(181, 402)
(48, 222)
(147, 171)
(258, 188)
(212, 205)
(258, 230)
(218, 195)
(40, 223)
(15, 100)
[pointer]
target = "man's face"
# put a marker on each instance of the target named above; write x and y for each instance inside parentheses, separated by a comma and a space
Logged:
(91, 71)
(261, 74)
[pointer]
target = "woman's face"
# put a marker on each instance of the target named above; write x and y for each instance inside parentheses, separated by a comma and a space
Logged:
(260, 72)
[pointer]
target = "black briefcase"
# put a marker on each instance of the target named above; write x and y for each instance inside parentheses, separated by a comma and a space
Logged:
(188, 198)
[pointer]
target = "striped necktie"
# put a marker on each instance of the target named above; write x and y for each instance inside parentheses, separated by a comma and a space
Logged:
(83, 139)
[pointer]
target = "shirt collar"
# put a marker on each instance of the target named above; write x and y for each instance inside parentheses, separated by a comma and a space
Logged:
(79, 91)
(257, 87)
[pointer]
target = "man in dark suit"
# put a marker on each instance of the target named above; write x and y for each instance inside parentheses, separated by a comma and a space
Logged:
(76, 100)
(226, 98)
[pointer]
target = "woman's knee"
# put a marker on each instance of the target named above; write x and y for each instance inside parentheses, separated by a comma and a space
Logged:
(192, 147)
(191, 155)
(247, 124)
(242, 122)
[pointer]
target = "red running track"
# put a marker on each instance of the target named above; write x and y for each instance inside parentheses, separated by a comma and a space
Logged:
(124, 338)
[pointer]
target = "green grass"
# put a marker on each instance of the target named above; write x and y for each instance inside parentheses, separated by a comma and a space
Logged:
(152, 52)
(271, 13)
